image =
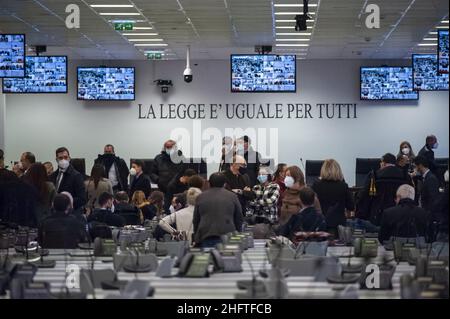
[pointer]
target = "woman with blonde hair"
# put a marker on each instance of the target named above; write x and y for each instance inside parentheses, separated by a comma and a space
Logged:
(334, 195)
(140, 201)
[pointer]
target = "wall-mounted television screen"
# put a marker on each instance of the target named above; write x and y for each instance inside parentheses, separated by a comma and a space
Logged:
(443, 51)
(263, 73)
(12, 55)
(387, 83)
(44, 74)
(106, 83)
(425, 73)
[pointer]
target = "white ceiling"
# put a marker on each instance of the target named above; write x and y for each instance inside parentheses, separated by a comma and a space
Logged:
(216, 28)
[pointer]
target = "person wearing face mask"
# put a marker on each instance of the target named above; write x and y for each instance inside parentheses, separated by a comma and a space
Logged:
(252, 158)
(67, 179)
(291, 204)
(228, 151)
(405, 219)
(264, 207)
(405, 157)
(431, 144)
(139, 180)
(238, 181)
(106, 212)
(116, 170)
(61, 230)
(166, 166)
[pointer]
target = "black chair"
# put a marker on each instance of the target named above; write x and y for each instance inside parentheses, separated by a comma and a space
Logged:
(198, 165)
(148, 164)
(442, 166)
(58, 239)
(79, 164)
(363, 167)
(312, 168)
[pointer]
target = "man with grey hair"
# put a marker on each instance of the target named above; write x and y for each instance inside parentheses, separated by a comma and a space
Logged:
(182, 219)
(405, 219)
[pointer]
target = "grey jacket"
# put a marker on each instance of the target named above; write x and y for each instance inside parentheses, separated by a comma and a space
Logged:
(217, 212)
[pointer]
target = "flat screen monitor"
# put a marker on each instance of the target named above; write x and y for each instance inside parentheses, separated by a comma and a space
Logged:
(387, 83)
(443, 51)
(263, 73)
(106, 83)
(425, 73)
(12, 55)
(44, 74)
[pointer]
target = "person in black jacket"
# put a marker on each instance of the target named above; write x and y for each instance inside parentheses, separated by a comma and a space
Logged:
(104, 214)
(380, 189)
(123, 208)
(443, 210)
(139, 181)
(67, 179)
(334, 195)
(428, 187)
(116, 170)
(61, 229)
(405, 219)
(18, 200)
(238, 181)
(167, 165)
(307, 220)
(252, 158)
(431, 143)
(179, 184)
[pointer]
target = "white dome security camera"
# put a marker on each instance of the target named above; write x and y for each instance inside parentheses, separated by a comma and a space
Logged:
(188, 77)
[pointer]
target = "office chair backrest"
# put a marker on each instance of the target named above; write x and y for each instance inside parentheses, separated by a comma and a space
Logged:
(312, 168)
(79, 164)
(363, 167)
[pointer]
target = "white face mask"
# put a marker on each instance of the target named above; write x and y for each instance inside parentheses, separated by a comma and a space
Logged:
(446, 176)
(172, 209)
(405, 150)
(170, 151)
(133, 172)
(289, 181)
(113, 208)
(63, 164)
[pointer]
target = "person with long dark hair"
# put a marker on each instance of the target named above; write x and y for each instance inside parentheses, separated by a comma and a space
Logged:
(95, 186)
(37, 177)
(405, 156)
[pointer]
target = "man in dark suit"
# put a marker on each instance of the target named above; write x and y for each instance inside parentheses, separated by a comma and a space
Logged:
(405, 219)
(380, 189)
(67, 179)
(139, 180)
(104, 214)
(61, 229)
(307, 220)
(428, 186)
(431, 143)
(252, 158)
(116, 170)
(216, 213)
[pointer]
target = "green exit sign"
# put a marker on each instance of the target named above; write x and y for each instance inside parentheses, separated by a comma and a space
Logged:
(154, 55)
(123, 26)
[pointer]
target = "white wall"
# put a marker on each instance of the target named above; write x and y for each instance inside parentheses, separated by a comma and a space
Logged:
(41, 123)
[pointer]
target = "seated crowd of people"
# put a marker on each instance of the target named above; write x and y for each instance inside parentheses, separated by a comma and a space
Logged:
(402, 198)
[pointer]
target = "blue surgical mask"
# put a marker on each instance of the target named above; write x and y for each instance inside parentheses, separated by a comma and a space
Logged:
(262, 178)
(289, 181)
